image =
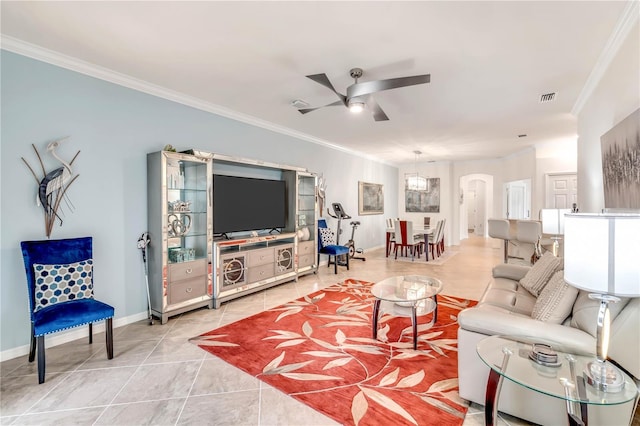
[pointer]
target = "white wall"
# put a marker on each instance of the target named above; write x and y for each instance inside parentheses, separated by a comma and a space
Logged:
(615, 97)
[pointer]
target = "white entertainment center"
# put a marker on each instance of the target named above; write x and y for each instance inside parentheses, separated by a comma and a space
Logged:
(190, 266)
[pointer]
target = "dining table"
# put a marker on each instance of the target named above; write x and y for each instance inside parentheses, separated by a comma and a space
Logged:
(425, 231)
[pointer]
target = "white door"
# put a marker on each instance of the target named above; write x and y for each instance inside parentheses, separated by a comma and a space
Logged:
(516, 193)
(561, 190)
(472, 211)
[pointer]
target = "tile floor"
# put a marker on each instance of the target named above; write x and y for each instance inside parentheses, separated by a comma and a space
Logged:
(157, 377)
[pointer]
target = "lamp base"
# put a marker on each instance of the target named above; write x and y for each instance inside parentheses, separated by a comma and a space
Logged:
(604, 376)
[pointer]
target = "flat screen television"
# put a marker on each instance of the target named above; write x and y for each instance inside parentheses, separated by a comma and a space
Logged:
(248, 204)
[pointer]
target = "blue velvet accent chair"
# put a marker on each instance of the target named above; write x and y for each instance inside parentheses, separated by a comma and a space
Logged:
(53, 311)
(332, 250)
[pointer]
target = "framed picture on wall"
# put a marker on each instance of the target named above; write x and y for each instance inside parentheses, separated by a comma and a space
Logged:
(620, 154)
(423, 201)
(370, 198)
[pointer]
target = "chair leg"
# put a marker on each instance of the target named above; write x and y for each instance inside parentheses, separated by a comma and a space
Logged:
(347, 262)
(41, 359)
(335, 264)
(32, 349)
(109, 333)
(90, 333)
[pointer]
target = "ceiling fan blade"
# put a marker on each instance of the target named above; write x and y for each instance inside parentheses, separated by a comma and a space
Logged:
(378, 113)
(369, 87)
(306, 110)
(324, 80)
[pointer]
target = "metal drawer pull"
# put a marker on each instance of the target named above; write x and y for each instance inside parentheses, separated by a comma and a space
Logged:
(189, 290)
(188, 271)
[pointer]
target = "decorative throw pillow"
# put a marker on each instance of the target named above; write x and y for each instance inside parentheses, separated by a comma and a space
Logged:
(326, 237)
(62, 283)
(540, 272)
(555, 301)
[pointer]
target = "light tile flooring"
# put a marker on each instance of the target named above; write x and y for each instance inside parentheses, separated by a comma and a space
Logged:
(158, 377)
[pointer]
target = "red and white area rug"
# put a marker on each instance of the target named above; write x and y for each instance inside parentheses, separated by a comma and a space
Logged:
(319, 350)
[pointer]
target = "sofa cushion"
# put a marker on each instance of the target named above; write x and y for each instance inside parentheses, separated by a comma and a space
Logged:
(585, 312)
(555, 301)
(508, 295)
(511, 271)
(540, 272)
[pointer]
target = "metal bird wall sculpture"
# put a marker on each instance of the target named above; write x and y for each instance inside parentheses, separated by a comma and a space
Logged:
(52, 188)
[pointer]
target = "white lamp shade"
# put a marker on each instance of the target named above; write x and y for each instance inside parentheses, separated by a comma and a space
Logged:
(602, 253)
(553, 220)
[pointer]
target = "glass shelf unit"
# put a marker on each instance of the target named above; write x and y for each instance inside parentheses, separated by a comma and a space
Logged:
(303, 202)
(180, 228)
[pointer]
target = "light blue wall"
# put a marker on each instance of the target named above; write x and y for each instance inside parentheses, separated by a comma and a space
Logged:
(114, 128)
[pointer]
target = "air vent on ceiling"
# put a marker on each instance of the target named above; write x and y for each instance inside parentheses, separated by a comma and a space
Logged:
(547, 97)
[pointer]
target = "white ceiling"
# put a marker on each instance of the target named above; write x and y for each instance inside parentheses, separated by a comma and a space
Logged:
(489, 63)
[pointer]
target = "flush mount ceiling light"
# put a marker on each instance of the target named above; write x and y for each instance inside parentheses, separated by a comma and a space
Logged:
(356, 107)
(413, 181)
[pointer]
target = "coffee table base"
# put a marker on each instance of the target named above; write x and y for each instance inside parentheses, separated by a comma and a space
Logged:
(413, 316)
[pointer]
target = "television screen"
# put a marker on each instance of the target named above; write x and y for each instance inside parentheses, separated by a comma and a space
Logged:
(248, 204)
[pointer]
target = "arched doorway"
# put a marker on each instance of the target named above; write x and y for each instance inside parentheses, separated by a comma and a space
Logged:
(476, 201)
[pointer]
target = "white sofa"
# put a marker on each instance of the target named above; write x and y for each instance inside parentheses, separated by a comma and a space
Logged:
(505, 309)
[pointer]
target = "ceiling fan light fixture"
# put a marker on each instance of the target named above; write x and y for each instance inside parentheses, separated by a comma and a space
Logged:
(356, 107)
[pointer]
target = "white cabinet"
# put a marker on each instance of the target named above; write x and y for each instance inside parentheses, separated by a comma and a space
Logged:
(180, 230)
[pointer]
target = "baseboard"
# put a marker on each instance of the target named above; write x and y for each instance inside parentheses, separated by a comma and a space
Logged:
(71, 335)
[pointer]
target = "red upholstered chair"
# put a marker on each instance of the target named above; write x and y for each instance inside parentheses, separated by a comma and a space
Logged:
(404, 238)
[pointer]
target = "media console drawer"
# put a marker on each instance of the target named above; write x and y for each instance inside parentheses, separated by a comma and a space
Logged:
(306, 247)
(183, 290)
(305, 260)
(260, 272)
(260, 256)
(186, 270)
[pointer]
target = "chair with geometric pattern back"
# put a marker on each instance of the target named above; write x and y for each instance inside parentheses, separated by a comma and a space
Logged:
(326, 245)
(60, 284)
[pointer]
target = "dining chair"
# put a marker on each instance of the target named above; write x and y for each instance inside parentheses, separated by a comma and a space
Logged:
(435, 240)
(442, 228)
(391, 237)
(60, 286)
(327, 245)
(405, 239)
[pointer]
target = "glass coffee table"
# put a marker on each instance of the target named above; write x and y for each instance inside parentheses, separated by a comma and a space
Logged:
(407, 296)
(512, 358)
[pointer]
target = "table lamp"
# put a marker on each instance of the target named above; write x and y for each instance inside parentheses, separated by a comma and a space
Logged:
(601, 256)
(553, 223)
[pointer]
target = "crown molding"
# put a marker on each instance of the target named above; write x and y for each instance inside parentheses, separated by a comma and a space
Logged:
(628, 19)
(39, 53)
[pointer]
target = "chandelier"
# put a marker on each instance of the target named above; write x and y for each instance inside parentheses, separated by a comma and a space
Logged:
(413, 181)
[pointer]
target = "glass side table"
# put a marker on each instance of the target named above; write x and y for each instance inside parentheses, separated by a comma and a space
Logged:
(510, 357)
(407, 296)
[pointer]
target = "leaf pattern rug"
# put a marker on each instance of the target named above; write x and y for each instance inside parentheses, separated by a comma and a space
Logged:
(319, 350)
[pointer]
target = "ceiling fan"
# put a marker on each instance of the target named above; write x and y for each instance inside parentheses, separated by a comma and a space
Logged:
(359, 94)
